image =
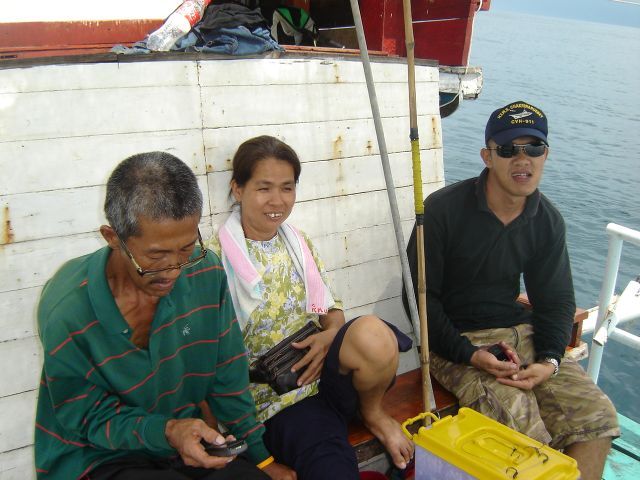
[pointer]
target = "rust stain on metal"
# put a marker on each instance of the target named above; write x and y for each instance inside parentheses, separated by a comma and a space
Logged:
(209, 167)
(336, 70)
(7, 231)
(369, 147)
(337, 147)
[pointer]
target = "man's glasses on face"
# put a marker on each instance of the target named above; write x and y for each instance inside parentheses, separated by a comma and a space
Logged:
(530, 150)
(180, 266)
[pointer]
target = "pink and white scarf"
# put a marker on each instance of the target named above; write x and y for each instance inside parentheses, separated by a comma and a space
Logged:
(245, 281)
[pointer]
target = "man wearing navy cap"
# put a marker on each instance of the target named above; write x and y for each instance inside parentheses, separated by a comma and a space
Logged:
(481, 235)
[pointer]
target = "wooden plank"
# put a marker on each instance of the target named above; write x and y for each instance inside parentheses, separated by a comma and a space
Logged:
(339, 177)
(324, 140)
(293, 71)
(60, 213)
(40, 115)
(218, 71)
(17, 417)
(98, 76)
(18, 313)
(338, 214)
(43, 37)
(356, 286)
(87, 161)
(17, 464)
(356, 175)
(25, 358)
(272, 104)
(347, 213)
(31, 264)
(389, 309)
(344, 249)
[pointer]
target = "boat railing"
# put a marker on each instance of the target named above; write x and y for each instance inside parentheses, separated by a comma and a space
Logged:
(624, 309)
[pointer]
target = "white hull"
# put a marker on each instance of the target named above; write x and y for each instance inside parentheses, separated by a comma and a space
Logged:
(64, 127)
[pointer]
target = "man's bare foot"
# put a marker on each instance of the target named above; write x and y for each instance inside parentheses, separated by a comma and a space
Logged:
(390, 434)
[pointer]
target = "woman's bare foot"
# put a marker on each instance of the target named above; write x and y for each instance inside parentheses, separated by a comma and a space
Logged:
(390, 434)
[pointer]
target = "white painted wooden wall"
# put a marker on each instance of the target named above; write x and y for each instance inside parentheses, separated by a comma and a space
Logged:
(64, 127)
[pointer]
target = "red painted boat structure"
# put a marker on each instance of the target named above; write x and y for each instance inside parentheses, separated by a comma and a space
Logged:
(442, 28)
(442, 31)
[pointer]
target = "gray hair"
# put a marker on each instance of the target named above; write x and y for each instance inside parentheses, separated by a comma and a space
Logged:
(154, 185)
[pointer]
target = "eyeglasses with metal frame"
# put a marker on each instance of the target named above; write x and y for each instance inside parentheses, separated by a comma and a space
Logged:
(529, 149)
(180, 266)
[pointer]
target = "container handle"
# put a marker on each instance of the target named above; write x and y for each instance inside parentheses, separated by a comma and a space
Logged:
(413, 420)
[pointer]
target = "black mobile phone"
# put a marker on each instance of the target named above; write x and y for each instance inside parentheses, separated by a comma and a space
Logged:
(229, 449)
(498, 352)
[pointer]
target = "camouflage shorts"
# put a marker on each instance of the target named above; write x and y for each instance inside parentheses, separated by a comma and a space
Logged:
(565, 409)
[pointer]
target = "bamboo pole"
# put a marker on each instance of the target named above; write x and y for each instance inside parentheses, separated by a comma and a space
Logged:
(414, 136)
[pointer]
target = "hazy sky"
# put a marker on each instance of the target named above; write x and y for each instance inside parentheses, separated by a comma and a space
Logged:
(606, 11)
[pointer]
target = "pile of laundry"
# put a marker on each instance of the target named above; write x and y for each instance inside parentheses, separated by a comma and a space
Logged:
(201, 26)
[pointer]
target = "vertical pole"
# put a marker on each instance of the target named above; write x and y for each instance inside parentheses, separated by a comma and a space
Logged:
(418, 326)
(427, 390)
(606, 292)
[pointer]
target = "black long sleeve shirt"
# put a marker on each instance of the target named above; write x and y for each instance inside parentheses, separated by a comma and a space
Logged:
(473, 268)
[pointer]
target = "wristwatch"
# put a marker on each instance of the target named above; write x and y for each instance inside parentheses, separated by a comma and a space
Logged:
(554, 362)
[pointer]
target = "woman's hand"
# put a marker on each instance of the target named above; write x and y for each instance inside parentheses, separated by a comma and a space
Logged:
(314, 359)
(318, 347)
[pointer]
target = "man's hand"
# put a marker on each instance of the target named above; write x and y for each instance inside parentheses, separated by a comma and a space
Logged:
(483, 360)
(314, 359)
(277, 471)
(184, 435)
(529, 377)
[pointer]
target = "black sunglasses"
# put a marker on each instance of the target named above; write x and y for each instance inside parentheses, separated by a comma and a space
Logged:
(530, 150)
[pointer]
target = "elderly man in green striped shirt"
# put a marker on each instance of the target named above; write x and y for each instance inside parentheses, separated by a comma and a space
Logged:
(141, 346)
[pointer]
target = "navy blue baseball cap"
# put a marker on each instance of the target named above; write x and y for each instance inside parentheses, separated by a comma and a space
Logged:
(518, 119)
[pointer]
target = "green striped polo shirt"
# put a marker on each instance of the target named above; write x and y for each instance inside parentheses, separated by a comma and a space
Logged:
(102, 398)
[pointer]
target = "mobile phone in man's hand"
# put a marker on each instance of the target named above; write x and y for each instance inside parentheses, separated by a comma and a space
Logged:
(229, 449)
(498, 352)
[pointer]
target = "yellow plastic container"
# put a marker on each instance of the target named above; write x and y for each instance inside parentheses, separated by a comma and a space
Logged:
(470, 446)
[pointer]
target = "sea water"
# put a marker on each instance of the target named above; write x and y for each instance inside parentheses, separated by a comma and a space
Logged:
(586, 77)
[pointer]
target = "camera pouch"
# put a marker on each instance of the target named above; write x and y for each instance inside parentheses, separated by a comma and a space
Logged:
(274, 366)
